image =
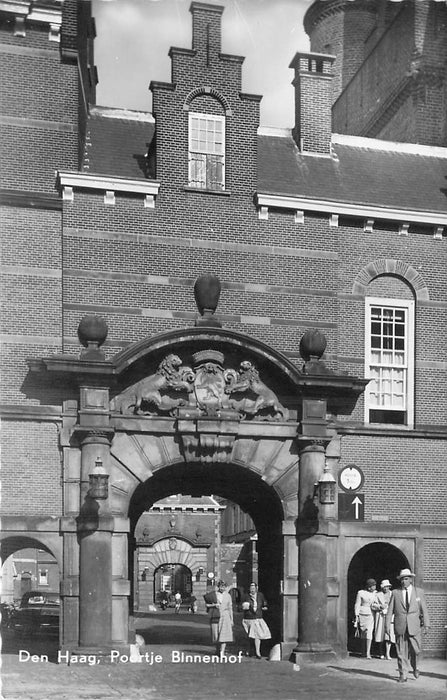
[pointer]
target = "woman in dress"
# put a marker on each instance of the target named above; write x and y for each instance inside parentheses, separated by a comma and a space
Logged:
(253, 606)
(380, 636)
(365, 607)
(220, 606)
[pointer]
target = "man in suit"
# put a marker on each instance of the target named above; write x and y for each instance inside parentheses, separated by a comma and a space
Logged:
(410, 612)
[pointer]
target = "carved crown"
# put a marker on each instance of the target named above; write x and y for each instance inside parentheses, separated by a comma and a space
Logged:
(208, 356)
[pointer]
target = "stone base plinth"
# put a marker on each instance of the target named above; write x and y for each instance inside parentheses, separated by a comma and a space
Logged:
(313, 654)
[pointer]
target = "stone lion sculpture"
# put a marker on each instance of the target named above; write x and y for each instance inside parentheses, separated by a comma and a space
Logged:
(168, 377)
(248, 380)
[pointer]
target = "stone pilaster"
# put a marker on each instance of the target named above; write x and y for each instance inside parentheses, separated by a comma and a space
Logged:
(95, 525)
(312, 537)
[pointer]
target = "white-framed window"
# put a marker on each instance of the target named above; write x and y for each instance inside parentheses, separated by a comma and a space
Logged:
(43, 577)
(389, 361)
(206, 151)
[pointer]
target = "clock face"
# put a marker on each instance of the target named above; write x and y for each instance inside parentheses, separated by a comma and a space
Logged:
(351, 478)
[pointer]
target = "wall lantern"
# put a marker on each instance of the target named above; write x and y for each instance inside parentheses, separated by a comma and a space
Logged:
(199, 573)
(98, 481)
(325, 487)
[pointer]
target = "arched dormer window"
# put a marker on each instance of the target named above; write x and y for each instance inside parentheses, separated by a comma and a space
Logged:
(206, 151)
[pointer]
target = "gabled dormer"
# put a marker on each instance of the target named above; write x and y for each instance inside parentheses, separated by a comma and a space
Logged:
(205, 125)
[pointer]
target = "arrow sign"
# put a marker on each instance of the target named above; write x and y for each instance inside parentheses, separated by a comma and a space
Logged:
(351, 507)
(357, 502)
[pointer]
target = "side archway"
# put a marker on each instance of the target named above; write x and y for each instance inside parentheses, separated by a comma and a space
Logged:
(378, 560)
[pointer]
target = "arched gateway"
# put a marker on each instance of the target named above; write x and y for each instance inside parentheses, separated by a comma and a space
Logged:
(202, 410)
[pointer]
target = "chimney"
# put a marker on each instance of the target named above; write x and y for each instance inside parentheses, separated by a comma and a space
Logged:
(206, 30)
(313, 101)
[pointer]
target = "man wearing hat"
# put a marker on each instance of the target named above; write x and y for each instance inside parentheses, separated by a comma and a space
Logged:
(410, 612)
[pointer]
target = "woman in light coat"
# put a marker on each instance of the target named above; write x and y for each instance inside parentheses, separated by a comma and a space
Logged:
(365, 607)
(385, 639)
(220, 607)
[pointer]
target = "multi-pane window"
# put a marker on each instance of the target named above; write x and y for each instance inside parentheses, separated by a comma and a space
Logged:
(389, 361)
(43, 577)
(206, 151)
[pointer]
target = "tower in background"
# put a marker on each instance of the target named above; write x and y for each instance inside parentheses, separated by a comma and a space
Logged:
(389, 73)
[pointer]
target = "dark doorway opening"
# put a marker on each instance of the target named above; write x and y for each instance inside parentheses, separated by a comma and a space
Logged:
(379, 560)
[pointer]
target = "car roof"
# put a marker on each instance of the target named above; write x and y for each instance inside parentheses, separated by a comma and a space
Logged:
(41, 597)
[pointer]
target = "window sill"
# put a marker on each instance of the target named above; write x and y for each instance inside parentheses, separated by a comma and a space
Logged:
(203, 190)
(391, 426)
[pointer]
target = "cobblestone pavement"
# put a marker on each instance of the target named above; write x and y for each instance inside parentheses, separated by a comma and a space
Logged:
(168, 636)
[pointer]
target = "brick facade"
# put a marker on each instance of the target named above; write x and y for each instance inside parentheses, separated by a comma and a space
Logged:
(281, 274)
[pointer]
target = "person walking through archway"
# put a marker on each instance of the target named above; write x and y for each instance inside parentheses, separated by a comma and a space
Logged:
(220, 609)
(381, 637)
(253, 606)
(410, 612)
(365, 606)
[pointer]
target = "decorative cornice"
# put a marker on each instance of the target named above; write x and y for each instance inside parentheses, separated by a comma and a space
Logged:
(361, 211)
(206, 7)
(67, 182)
(33, 413)
(39, 11)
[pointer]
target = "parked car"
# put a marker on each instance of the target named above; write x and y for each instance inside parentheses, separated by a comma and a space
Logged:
(38, 613)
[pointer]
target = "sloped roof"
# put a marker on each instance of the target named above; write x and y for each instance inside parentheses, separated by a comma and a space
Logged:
(117, 142)
(360, 171)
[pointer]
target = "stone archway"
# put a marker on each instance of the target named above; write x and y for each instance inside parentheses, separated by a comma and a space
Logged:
(233, 482)
(200, 401)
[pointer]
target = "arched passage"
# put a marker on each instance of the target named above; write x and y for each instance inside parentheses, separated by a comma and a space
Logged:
(27, 563)
(170, 578)
(378, 560)
(239, 485)
(30, 566)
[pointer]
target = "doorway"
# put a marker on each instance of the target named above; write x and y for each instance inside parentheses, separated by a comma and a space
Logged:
(170, 578)
(378, 560)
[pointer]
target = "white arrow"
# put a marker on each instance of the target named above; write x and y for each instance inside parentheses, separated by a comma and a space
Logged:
(356, 502)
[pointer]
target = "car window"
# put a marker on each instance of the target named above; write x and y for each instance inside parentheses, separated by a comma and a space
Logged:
(40, 599)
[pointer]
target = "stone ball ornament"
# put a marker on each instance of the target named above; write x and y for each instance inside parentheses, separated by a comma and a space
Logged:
(92, 330)
(312, 345)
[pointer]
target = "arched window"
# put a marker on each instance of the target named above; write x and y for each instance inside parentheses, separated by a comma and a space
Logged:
(206, 151)
(389, 361)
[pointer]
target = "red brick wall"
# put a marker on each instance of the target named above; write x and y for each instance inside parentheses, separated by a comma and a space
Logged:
(394, 477)
(31, 469)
